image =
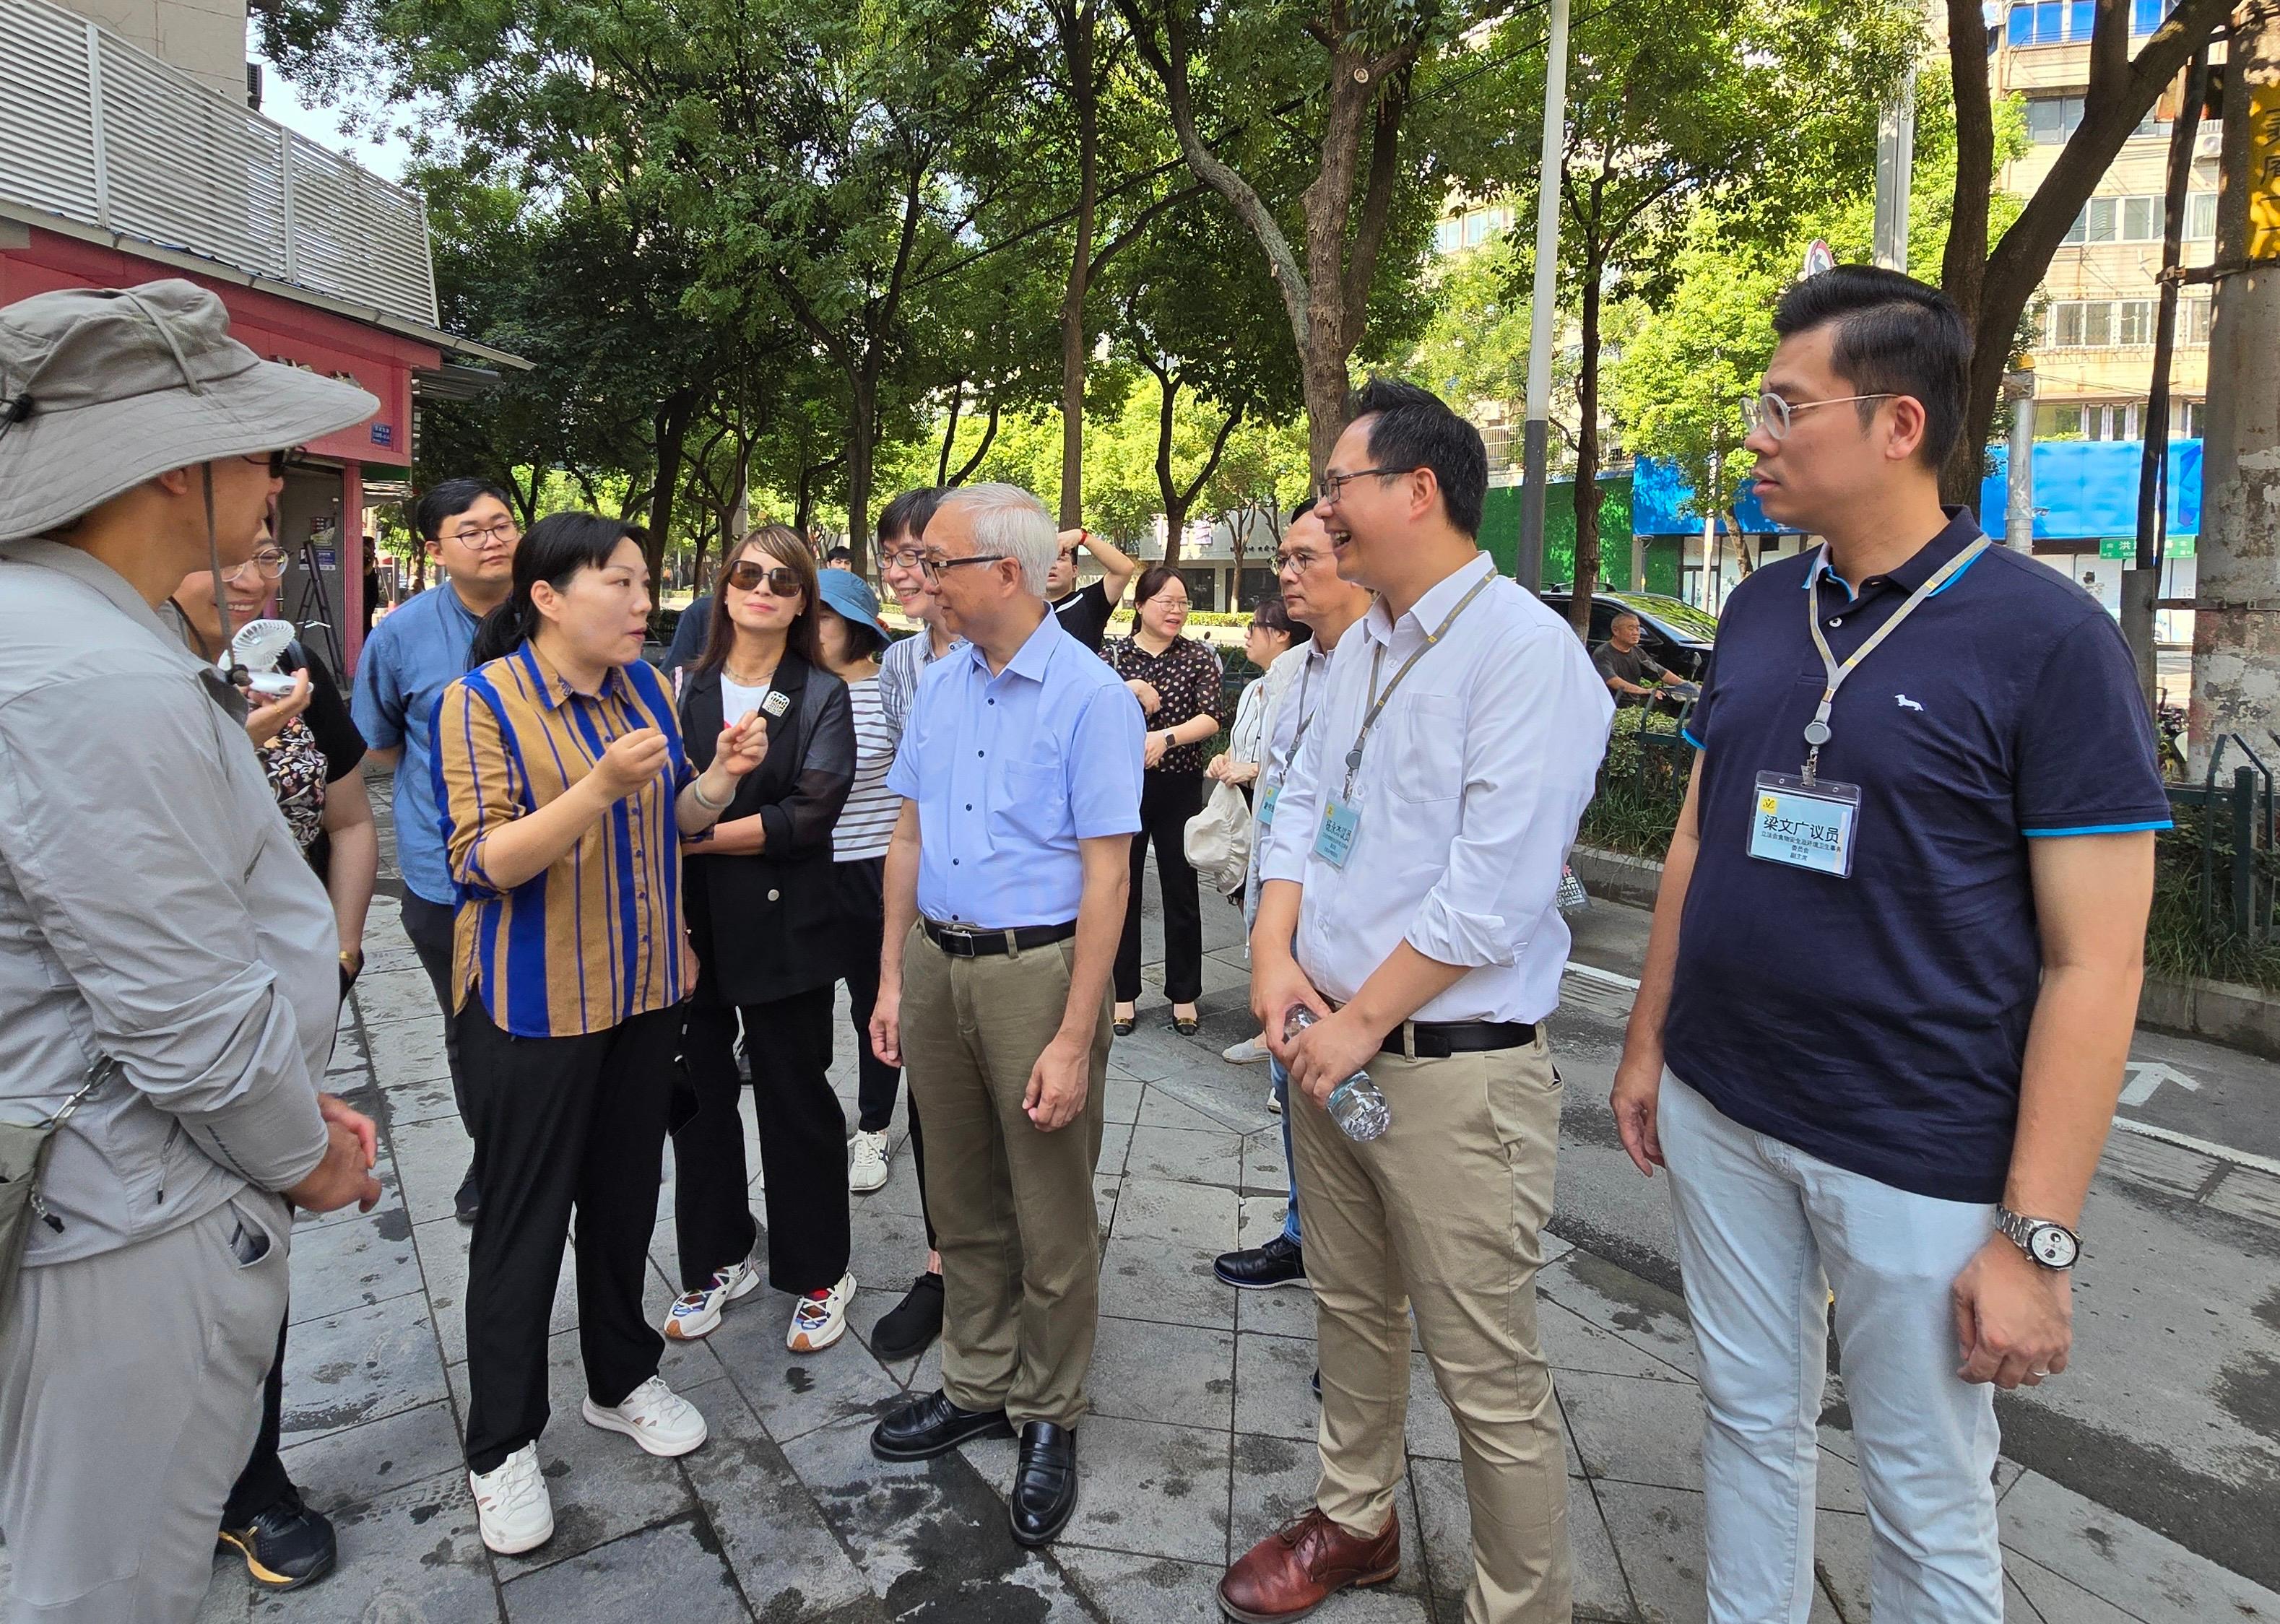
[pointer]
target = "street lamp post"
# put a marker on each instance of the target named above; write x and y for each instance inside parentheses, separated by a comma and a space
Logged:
(1533, 460)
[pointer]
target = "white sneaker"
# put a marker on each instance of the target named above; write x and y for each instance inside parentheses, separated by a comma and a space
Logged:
(866, 1170)
(653, 1416)
(699, 1313)
(1274, 1102)
(1250, 1051)
(819, 1321)
(512, 1504)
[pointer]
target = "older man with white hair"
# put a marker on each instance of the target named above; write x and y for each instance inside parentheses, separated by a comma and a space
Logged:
(1019, 773)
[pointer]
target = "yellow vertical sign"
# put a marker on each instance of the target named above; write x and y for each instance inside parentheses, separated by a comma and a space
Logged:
(2264, 170)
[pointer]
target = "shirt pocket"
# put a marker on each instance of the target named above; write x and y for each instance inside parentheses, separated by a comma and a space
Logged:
(1427, 749)
(1032, 802)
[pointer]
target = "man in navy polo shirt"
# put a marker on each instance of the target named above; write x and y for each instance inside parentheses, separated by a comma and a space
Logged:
(1893, 971)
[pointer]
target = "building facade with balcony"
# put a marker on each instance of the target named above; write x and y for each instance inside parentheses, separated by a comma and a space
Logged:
(120, 164)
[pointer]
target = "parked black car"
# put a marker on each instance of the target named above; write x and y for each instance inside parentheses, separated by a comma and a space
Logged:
(1676, 634)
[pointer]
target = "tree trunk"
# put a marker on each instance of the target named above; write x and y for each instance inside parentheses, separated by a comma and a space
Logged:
(988, 435)
(1587, 454)
(671, 426)
(949, 434)
(1079, 42)
(1175, 510)
(862, 428)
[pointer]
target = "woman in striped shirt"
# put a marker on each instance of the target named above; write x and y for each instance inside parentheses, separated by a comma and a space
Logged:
(565, 796)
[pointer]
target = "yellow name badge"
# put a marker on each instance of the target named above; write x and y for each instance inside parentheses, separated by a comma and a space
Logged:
(1805, 826)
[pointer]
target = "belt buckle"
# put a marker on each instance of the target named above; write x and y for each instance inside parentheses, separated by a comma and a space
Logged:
(955, 940)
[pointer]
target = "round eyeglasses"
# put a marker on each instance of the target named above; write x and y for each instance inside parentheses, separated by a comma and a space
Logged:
(1772, 413)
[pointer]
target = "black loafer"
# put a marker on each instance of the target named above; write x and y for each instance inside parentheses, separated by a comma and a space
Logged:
(1186, 1028)
(1281, 1262)
(909, 1327)
(933, 1426)
(1122, 1029)
(285, 1547)
(469, 1201)
(1045, 1484)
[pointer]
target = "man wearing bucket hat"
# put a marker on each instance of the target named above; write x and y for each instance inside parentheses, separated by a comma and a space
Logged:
(166, 958)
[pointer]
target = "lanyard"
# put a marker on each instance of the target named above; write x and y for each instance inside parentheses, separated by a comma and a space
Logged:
(1305, 716)
(1377, 657)
(1816, 731)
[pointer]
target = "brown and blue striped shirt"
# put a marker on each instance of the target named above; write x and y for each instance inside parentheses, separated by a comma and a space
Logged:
(597, 938)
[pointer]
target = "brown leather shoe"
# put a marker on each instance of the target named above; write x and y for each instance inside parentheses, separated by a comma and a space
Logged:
(1302, 1565)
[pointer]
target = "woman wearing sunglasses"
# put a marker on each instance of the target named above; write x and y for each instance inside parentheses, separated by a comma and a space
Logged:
(762, 905)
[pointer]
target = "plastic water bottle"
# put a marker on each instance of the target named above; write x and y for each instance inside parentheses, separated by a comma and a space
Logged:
(1356, 1105)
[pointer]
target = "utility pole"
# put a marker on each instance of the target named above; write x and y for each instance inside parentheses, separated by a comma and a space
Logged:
(2141, 584)
(2019, 481)
(1534, 463)
(1896, 149)
(2237, 618)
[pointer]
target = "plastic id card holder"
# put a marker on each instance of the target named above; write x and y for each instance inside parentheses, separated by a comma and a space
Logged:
(1334, 842)
(1265, 816)
(1805, 826)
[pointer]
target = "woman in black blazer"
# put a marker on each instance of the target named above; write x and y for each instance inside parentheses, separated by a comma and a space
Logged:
(760, 898)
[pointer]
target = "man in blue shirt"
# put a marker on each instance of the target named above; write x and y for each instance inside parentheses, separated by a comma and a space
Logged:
(1893, 971)
(1019, 772)
(412, 656)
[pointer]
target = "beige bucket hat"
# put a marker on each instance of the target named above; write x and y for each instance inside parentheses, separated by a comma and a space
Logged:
(104, 388)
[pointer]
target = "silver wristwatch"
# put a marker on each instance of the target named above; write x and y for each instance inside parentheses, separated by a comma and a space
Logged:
(2053, 1246)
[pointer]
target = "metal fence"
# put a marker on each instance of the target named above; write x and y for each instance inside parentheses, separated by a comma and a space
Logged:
(2228, 840)
(98, 132)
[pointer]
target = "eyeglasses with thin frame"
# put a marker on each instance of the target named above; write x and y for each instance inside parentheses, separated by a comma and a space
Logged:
(745, 574)
(505, 531)
(269, 561)
(907, 559)
(1772, 413)
(1297, 563)
(1325, 493)
(277, 462)
(934, 562)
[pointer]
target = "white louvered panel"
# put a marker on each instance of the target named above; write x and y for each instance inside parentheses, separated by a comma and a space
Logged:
(186, 167)
(47, 137)
(360, 237)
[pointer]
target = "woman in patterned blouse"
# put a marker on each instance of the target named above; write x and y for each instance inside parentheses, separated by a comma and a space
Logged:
(1177, 681)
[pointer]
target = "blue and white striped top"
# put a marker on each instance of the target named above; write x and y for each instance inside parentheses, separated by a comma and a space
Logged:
(867, 821)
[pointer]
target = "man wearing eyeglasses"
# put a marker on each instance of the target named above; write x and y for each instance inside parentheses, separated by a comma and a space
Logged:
(419, 650)
(1020, 770)
(1084, 611)
(1409, 901)
(1893, 971)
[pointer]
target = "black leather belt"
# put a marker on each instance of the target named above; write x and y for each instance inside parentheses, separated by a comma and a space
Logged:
(1437, 1040)
(960, 942)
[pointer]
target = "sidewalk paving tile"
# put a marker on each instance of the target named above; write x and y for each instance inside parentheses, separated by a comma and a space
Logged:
(353, 1264)
(1152, 1490)
(412, 1555)
(1175, 1373)
(769, 1528)
(672, 1570)
(358, 1464)
(1196, 1156)
(1444, 1542)
(359, 1366)
(2133, 1567)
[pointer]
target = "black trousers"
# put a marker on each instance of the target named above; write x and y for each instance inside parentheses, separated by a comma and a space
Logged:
(263, 1482)
(802, 1144)
(861, 883)
(561, 1123)
(432, 926)
(1168, 800)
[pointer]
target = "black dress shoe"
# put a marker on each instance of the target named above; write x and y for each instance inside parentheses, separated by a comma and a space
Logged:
(1187, 1026)
(933, 1426)
(469, 1200)
(1281, 1262)
(909, 1327)
(1318, 1384)
(1121, 1028)
(285, 1547)
(1045, 1484)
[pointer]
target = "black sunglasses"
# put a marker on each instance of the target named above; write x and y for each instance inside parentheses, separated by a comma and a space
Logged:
(292, 457)
(744, 576)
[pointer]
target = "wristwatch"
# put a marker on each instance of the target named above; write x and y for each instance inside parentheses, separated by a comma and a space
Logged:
(2053, 1246)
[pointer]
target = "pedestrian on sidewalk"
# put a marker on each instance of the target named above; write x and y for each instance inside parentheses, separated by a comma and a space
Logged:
(169, 987)
(1181, 687)
(1019, 771)
(1084, 612)
(764, 916)
(909, 1327)
(1409, 900)
(1893, 970)
(1328, 607)
(310, 752)
(565, 796)
(853, 637)
(419, 649)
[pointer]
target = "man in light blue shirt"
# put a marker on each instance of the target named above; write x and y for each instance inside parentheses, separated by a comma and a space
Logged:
(1020, 770)
(412, 656)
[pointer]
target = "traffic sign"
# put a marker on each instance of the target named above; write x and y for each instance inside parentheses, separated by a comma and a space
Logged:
(1819, 258)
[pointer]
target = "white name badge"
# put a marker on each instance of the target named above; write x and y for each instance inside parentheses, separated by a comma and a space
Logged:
(1334, 842)
(1805, 826)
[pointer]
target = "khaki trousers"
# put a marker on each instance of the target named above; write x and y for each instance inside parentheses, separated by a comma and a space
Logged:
(1012, 1206)
(1442, 1215)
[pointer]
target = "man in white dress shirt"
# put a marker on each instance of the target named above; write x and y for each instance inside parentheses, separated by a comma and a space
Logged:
(1411, 878)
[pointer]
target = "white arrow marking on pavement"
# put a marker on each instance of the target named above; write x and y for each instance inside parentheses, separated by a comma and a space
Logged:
(2146, 1076)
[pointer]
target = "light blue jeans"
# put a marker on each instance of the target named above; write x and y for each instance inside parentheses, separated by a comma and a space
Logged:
(1765, 1231)
(1282, 1082)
